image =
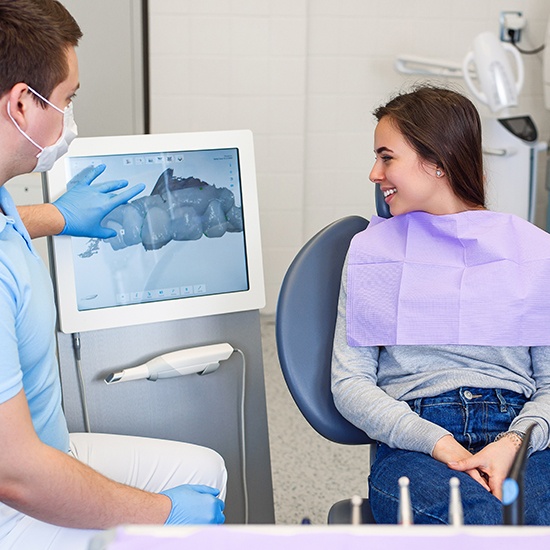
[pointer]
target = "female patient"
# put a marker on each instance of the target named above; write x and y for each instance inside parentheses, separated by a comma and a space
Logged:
(440, 352)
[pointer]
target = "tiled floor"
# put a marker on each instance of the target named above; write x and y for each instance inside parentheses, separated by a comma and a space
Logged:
(309, 472)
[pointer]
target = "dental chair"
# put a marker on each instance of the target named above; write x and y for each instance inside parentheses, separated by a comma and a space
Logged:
(305, 321)
(306, 316)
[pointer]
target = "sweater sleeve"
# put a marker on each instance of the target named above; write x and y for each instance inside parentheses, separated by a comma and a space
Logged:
(359, 399)
(537, 409)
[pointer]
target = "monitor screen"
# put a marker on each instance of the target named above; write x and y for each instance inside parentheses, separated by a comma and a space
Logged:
(187, 246)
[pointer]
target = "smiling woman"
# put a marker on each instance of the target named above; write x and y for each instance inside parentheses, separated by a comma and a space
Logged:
(439, 352)
(438, 168)
(409, 182)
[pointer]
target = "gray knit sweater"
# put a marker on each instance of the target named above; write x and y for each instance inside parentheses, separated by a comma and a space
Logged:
(370, 384)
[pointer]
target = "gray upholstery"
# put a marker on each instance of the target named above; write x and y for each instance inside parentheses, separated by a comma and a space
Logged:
(306, 316)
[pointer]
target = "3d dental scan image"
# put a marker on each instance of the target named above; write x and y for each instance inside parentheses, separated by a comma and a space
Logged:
(179, 219)
(183, 209)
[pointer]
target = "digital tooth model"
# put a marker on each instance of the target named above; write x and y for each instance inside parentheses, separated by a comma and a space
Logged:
(181, 209)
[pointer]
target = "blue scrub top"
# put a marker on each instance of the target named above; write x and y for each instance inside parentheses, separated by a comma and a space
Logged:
(27, 329)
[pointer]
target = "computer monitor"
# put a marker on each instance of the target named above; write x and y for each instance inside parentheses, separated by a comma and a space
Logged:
(187, 246)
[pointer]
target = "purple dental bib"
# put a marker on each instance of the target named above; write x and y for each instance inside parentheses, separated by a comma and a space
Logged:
(473, 278)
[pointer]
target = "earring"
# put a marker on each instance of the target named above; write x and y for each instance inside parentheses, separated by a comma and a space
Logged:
(438, 173)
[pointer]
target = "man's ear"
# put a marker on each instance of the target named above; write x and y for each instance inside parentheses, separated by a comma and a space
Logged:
(19, 103)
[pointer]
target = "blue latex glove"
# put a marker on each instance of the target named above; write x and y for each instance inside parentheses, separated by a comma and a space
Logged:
(194, 504)
(84, 206)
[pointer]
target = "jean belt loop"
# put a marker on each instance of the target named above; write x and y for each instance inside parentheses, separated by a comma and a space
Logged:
(501, 400)
(418, 405)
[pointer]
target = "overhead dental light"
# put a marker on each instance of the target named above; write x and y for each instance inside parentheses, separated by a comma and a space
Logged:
(488, 63)
(498, 88)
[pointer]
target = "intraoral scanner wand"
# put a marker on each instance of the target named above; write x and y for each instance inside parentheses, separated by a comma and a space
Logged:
(200, 360)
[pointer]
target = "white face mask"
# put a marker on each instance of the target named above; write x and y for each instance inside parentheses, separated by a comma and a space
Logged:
(48, 155)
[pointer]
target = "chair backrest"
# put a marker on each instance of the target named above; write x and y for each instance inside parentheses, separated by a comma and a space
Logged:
(306, 317)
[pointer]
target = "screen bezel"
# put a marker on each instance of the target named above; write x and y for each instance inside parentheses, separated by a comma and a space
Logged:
(71, 319)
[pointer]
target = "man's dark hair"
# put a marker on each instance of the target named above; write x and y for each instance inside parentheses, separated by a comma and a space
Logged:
(34, 38)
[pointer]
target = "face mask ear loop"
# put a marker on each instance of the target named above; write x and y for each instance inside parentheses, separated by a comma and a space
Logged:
(19, 128)
(44, 99)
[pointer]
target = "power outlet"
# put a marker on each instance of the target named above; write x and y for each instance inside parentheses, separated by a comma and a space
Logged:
(511, 22)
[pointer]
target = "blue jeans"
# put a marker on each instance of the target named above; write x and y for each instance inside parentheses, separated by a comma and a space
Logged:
(475, 417)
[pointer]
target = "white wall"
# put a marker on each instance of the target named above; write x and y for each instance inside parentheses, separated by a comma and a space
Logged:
(304, 76)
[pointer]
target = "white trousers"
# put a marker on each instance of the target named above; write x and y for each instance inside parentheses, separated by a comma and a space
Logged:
(150, 464)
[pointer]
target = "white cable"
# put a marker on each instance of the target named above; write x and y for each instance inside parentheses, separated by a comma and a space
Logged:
(80, 377)
(243, 439)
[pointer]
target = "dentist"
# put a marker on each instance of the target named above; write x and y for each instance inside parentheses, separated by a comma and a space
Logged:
(57, 489)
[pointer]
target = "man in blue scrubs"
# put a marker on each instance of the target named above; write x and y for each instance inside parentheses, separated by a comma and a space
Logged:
(52, 493)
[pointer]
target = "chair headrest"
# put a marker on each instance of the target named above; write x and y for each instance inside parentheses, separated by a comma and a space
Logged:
(382, 209)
